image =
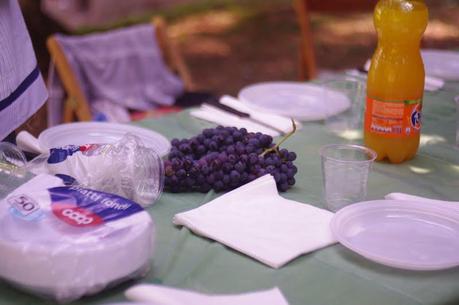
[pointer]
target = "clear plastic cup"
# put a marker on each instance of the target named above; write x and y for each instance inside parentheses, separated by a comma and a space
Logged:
(348, 123)
(345, 170)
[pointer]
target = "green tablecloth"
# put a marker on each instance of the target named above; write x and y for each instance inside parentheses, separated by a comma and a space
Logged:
(331, 276)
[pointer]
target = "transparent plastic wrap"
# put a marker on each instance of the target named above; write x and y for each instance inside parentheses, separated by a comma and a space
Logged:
(64, 242)
(126, 168)
(12, 171)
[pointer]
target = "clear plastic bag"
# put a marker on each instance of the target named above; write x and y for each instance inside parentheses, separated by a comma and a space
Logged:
(126, 168)
(12, 171)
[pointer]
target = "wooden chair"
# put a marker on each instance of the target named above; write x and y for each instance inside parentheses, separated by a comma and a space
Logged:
(76, 106)
(308, 65)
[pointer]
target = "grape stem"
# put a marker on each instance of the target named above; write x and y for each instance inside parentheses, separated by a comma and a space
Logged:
(275, 148)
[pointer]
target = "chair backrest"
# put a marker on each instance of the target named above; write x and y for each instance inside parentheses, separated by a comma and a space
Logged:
(308, 65)
(76, 106)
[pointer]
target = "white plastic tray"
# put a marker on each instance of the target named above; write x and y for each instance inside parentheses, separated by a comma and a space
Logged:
(297, 100)
(81, 133)
(402, 234)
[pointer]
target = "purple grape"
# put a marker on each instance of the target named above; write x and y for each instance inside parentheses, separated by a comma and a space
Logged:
(219, 186)
(227, 167)
(175, 142)
(201, 138)
(291, 156)
(232, 159)
(283, 187)
(185, 148)
(181, 173)
(283, 178)
(205, 169)
(213, 145)
(224, 158)
(200, 179)
(218, 175)
(244, 158)
(240, 167)
(208, 133)
(254, 142)
(266, 140)
(284, 168)
(226, 179)
(249, 148)
(210, 179)
(234, 175)
(237, 135)
(231, 150)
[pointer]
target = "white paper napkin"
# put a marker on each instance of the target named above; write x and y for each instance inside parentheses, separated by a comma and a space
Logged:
(216, 115)
(402, 196)
(255, 220)
(160, 295)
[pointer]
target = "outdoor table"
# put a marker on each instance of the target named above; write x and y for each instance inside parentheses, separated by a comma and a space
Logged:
(331, 276)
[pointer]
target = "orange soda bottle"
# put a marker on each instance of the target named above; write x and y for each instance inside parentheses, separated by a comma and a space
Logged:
(395, 84)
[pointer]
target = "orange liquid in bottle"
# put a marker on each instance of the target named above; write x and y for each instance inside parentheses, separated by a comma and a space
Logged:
(395, 83)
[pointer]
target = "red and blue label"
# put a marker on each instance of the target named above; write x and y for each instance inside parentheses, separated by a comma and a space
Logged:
(82, 207)
(415, 117)
(57, 155)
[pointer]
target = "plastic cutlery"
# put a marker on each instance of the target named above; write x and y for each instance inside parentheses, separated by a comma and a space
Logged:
(27, 142)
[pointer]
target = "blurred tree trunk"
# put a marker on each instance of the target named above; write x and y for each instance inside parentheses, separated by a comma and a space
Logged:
(40, 26)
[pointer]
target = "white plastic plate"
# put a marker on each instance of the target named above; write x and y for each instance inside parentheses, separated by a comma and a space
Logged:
(298, 100)
(441, 63)
(403, 234)
(81, 133)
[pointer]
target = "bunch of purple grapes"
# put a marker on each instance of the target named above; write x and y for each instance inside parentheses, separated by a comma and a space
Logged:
(225, 158)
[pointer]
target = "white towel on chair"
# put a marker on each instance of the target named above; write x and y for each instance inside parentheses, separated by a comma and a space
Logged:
(124, 67)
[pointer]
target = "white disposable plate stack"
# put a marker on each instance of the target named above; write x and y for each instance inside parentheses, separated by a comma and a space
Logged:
(50, 258)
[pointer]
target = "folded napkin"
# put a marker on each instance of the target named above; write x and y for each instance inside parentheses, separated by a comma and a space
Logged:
(267, 123)
(159, 295)
(255, 220)
(454, 205)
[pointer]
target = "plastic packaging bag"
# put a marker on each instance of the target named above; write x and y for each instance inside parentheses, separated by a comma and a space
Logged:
(65, 242)
(12, 171)
(126, 168)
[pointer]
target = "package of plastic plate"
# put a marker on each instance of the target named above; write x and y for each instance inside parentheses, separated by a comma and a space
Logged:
(126, 168)
(64, 242)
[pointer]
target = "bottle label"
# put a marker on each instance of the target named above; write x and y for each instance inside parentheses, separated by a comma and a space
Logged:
(393, 119)
(82, 207)
(25, 207)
